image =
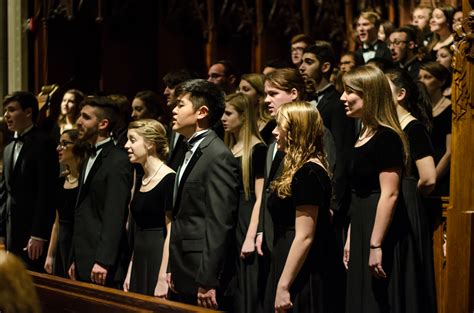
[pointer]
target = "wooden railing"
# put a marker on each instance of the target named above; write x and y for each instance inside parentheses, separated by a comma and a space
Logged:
(64, 295)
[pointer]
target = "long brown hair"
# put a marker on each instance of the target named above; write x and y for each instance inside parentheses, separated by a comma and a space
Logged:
(379, 107)
(304, 137)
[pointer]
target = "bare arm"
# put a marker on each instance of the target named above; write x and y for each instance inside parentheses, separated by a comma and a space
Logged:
(427, 171)
(249, 244)
(389, 186)
(48, 266)
(443, 164)
(161, 289)
(305, 228)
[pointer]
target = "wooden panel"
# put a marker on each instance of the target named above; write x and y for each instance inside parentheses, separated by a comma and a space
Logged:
(64, 295)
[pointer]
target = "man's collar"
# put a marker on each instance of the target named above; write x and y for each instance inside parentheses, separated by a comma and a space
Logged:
(24, 132)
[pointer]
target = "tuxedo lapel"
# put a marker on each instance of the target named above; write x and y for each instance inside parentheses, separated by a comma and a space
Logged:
(269, 159)
(8, 162)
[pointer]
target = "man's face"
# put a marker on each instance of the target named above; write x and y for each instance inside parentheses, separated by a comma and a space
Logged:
(88, 124)
(347, 63)
(297, 52)
(169, 94)
(421, 18)
(398, 46)
(17, 119)
(184, 117)
(275, 98)
(366, 31)
(311, 68)
(217, 75)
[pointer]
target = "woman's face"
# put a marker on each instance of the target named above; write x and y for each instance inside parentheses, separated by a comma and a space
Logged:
(432, 83)
(64, 149)
(68, 102)
(444, 58)
(136, 146)
(231, 119)
(139, 110)
(353, 104)
(249, 91)
(275, 97)
(438, 21)
(281, 138)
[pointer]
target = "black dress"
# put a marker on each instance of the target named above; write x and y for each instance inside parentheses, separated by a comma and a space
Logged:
(365, 293)
(148, 210)
(420, 241)
(315, 286)
(441, 128)
(249, 290)
(66, 204)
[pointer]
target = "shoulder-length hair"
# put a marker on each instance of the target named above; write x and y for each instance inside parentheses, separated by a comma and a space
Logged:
(379, 107)
(304, 130)
(257, 81)
(249, 129)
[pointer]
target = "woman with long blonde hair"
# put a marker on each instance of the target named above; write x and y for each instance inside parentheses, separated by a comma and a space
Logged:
(243, 138)
(304, 264)
(374, 253)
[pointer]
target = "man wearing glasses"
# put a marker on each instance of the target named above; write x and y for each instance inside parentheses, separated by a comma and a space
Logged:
(402, 44)
(223, 74)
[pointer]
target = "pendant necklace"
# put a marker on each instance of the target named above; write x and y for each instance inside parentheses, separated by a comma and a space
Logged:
(144, 183)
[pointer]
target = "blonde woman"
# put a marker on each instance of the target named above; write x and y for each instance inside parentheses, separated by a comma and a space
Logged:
(304, 267)
(252, 85)
(242, 137)
(151, 207)
(374, 253)
(70, 109)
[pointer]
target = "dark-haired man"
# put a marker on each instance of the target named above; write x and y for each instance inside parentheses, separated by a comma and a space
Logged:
(29, 181)
(318, 63)
(173, 79)
(99, 239)
(223, 74)
(403, 46)
(206, 200)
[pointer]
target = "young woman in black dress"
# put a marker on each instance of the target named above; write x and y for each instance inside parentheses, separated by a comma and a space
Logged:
(242, 137)
(304, 254)
(252, 85)
(414, 114)
(151, 208)
(436, 78)
(374, 252)
(71, 154)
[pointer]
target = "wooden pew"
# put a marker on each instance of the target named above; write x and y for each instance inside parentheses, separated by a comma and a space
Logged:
(64, 295)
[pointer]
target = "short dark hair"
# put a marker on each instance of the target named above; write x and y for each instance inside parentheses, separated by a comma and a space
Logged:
(412, 33)
(204, 93)
(26, 100)
(152, 102)
(324, 53)
(277, 63)
(107, 107)
(176, 77)
(229, 68)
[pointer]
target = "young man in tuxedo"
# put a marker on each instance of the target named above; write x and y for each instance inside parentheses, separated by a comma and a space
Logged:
(99, 239)
(205, 201)
(29, 181)
(368, 25)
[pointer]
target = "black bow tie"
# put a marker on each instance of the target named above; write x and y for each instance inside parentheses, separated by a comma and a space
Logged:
(94, 149)
(190, 143)
(369, 48)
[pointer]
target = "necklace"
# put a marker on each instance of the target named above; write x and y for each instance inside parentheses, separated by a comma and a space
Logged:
(71, 181)
(365, 134)
(151, 177)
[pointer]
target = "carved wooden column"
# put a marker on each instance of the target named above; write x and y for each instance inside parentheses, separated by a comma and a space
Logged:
(259, 45)
(460, 232)
(17, 46)
(349, 22)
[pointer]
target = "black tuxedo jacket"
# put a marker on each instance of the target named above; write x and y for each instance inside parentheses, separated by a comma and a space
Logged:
(382, 52)
(341, 127)
(204, 217)
(177, 151)
(100, 215)
(27, 193)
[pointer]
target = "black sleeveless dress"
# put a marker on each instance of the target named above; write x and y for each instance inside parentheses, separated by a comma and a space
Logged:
(315, 286)
(249, 289)
(419, 242)
(66, 203)
(148, 211)
(365, 293)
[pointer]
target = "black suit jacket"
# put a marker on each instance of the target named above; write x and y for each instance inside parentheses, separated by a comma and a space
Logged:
(204, 218)
(27, 193)
(100, 215)
(382, 52)
(341, 127)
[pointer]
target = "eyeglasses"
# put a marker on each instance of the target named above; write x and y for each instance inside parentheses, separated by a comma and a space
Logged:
(299, 49)
(63, 144)
(396, 42)
(215, 75)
